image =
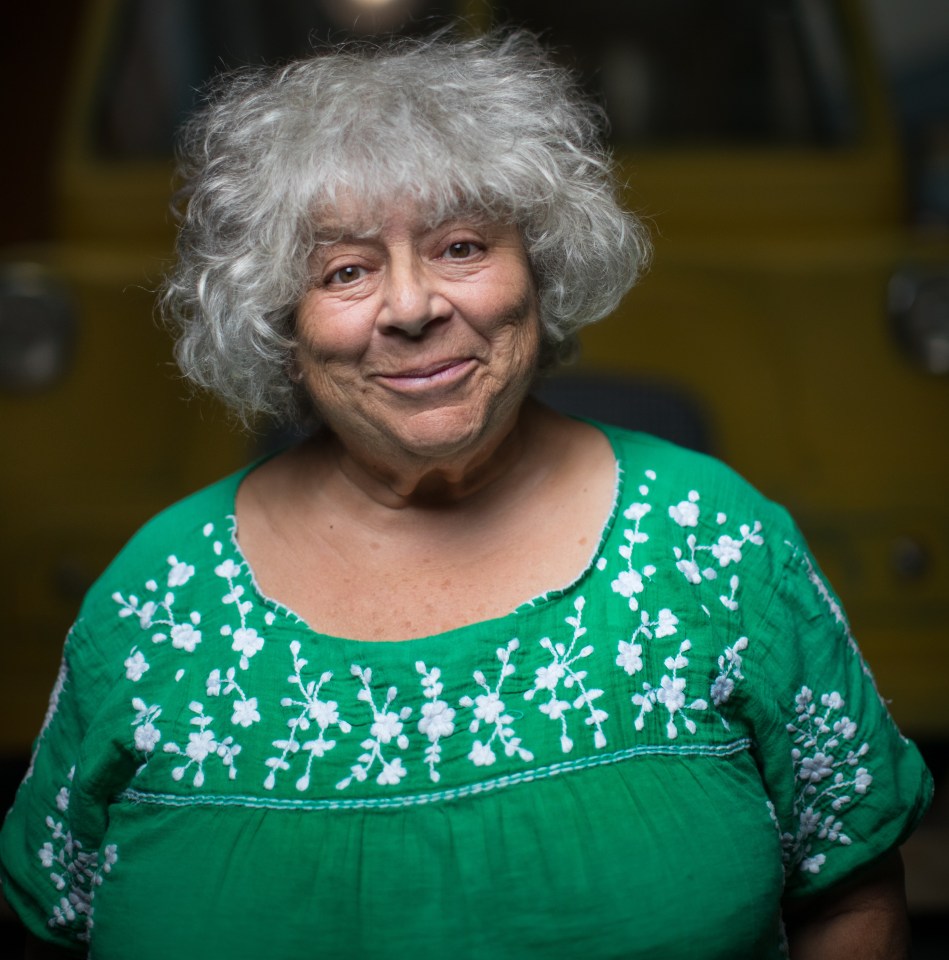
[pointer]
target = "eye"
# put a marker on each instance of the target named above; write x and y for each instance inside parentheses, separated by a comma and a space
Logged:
(461, 250)
(348, 274)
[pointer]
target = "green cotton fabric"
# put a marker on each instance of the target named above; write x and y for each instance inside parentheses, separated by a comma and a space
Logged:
(643, 763)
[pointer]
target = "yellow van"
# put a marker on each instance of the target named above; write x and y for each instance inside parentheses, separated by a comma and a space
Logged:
(794, 323)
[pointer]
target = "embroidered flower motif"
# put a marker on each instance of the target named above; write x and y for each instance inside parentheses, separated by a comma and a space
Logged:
(564, 666)
(160, 613)
(671, 694)
(630, 653)
(635, 512)
(247, 642)
(185, 637)
(729, 666)
(481, 754)
(387, 725)
(227, 569)
(489, 708)
(73, 872)
(728, 599)
(199, 746)
(438, 719)
(547, 678)
(392, 772)
(245, 712)
(146, 735)
(325, 713)
(721, 689)
(135, 665)
(862, 780)
(630, 657)
(310, 709)
(627, 583)
(816, 768)
(690, 570)
(180, 572)
(813, 864)
(245, 709)
(686, 512)
(726, 550)
(823, 591)
(826, 770)
(202, 745)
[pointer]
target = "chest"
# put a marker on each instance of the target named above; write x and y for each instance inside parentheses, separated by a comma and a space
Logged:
(348, 579)
(636, 859)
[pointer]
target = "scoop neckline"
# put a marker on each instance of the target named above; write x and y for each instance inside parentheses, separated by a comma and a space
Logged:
(534, 603)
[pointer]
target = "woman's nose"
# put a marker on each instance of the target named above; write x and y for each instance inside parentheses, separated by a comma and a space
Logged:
(412, 300)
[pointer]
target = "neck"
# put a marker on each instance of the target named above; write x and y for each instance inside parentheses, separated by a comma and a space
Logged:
(398, 479)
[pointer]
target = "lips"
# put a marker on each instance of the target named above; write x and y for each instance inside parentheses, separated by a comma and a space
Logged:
(437, 374)
(426, 370)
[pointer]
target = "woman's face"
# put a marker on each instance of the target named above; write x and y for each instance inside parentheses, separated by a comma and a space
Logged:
(419, 336)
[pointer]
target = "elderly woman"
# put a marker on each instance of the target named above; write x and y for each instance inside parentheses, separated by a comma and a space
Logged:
(456, 675)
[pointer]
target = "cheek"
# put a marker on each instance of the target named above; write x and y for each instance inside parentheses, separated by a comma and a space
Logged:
(324, 334)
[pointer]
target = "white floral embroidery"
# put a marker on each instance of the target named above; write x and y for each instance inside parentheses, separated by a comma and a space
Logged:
(686, 513)
(135, 665)
(729, 670)
(630, 652)
(629, 582)
(827, 771)
(387, 726)
(489, 709)
(548, 678)
(324, 713)
(726, 550)
(835, 609)
(147, 735)
(180, 572)
(73, 871)
(245, 640)
(728, 599)
(438, 719)
(671, 694)
(245, 708)
(203, 745)
(160, 613)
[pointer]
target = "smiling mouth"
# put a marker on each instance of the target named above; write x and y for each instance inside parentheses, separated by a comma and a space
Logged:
(444, 373)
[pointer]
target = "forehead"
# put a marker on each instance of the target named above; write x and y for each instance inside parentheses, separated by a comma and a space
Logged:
(353, 219)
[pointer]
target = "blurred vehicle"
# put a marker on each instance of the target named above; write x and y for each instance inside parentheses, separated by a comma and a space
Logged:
(794, 323)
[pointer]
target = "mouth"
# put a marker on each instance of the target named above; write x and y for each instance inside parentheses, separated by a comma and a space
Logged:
(439, 374)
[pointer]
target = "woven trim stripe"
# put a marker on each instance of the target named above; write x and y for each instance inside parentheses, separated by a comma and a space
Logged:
(485, 786)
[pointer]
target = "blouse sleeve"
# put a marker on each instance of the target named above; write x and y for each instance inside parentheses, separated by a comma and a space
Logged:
(845, 786)
(50, 856)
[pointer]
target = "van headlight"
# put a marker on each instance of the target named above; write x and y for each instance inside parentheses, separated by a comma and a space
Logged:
(918, 303)
(37, 328)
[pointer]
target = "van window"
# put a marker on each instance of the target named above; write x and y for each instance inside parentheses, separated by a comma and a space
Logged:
(164, 51)
(691, 72)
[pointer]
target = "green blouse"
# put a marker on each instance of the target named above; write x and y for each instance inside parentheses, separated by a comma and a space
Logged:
(640, 764)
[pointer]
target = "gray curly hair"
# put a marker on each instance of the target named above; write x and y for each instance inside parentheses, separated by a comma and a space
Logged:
(489, 126)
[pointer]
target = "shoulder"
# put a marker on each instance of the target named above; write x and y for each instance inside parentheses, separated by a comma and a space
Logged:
(720, 549)
(157, 554)
(693, 489)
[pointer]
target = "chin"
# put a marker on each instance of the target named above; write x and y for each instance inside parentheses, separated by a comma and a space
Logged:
(439, 434)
